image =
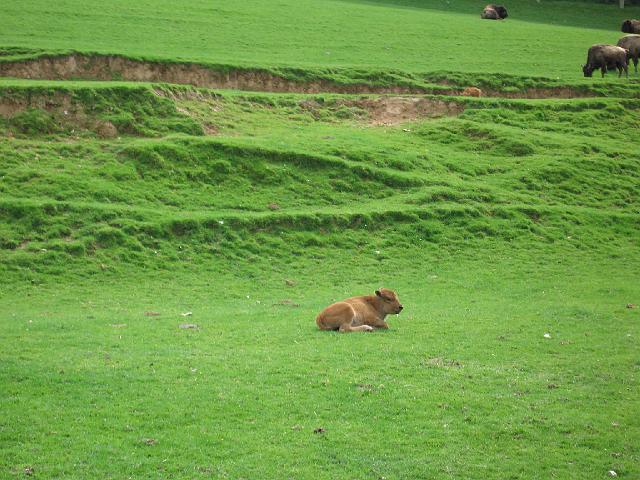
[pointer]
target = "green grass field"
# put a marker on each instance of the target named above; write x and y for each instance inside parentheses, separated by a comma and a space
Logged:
(547, 38)
(509, 227)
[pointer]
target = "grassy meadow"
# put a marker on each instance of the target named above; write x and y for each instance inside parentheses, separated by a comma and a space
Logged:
(164, 249)
(546, 38)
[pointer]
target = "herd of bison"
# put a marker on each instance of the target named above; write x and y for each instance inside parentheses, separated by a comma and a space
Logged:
(600, 56)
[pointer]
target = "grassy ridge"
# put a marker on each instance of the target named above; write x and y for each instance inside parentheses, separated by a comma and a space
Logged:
(89, 111)
(298, 170)
(57, 65)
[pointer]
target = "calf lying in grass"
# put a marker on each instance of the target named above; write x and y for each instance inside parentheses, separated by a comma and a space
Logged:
(360, 314)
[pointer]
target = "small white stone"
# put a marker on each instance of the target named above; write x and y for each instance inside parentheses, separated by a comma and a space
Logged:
(612, 473)
(547, 335)
(221, 222)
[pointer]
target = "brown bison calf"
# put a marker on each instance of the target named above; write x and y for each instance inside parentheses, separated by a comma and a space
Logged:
(472, 92)
(360, 314)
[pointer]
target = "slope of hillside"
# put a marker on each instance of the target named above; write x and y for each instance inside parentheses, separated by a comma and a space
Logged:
(107, 171)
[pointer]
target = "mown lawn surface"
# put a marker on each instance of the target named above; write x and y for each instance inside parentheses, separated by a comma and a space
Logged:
(463, 385)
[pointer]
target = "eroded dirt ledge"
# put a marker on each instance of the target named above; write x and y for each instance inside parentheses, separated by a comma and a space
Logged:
(114, 67)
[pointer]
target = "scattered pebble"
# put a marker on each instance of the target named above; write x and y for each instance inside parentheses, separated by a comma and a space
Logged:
(631, 305)
(151, 314)
(286, 303)
(547, 335)
(186, 314)
(188, 325)
(612, 473)
(319, 430)
(149, 441)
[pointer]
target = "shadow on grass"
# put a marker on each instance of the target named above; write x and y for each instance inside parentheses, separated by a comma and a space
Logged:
(582, 14)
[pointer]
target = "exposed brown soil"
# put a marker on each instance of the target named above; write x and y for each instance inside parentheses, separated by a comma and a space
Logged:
(395, 110)
(388, 110)
(62, 106)
(57, 102)
(114, 67)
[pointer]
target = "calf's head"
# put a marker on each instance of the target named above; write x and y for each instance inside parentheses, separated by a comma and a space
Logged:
(587, 70)
(390, 302)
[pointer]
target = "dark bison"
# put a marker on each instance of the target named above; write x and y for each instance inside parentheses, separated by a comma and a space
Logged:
(606, 57)
(631, 26)
(632, 44)
(494, 12)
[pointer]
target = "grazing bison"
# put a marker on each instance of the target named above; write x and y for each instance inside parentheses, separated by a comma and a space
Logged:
(632, 44)
(360, 314)
(631, 26)
(494, 12)
(606, 57)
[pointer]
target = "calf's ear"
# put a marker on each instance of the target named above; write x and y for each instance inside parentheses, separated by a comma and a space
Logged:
(378, 293)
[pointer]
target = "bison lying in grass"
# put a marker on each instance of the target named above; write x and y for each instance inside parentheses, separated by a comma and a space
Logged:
(494, 12)
(606, 57)
(631, 26)
(631, 43)
(360, 314)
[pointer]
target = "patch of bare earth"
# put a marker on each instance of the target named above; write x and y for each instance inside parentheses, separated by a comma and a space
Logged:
(115, 67)
(387, 110)
(62, 106)
(110, 67)
(195, 104)
(396, 110)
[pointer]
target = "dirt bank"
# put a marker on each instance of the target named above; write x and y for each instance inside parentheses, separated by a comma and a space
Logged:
(65, 112)
(391, 110)
(113, 67)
